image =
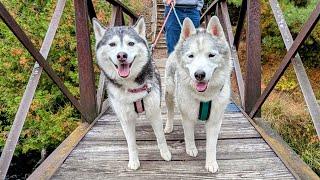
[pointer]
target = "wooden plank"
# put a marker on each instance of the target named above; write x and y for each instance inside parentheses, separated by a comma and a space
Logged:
(292, 161)
(124, 8)
(85, 61)
(234, 117)
(253, 65)
(161, 64)
(21, 115)
(289, 157)
(52, 163)
(101, 91)
(145, 132)
(218, 13)
(228, 119)
(148, 150)
(262, 168)
(302, 76)
(240, 23)
(234, 53)
(209, 10)
(304, 33)
(91, 11)
(177, 121)
(117, 16)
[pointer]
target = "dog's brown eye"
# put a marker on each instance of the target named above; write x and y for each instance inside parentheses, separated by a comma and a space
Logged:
(112, 44)
(131, 43)
(211, 55)
(190, 56)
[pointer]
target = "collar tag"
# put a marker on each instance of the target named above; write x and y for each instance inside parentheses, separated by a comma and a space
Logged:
(204, 111)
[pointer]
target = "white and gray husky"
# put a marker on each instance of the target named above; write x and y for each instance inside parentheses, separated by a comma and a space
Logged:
(133, 84)
(198, 74)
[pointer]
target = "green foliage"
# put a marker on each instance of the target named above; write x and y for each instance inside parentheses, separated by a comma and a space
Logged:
(299, 2)
(296, 127)
(51, 117)
(286, 84)
(295, 17)
(296, 13)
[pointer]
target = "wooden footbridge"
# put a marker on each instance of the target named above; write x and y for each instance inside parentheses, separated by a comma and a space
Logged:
(247, 147)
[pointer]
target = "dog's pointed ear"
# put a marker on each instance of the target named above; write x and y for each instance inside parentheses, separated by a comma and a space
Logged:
(140, 27)
(215, 28)
(188, 29)
(98, 29)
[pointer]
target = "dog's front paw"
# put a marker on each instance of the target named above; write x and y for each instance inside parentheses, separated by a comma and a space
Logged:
(212, 167)
(133, 164)
(192, 151)
(168, 129)
(165, 154)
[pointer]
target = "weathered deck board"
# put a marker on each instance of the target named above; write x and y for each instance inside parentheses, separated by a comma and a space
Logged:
(242, 153)
(145, 132)
(262, 168)
(103, 154)
(227, 149)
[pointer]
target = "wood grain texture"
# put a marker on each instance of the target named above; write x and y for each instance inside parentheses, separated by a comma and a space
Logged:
(262, 168)
(241, 152)
(145, 132)
(103, 154)
(148, 150)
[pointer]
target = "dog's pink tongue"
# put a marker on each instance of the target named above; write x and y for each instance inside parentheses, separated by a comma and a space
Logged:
(124, 70)
(201, 86)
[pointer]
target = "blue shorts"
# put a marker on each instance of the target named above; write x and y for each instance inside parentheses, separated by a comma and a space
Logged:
(173, 29)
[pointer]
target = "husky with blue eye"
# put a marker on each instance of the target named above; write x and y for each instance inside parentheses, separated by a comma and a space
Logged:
(133, 85)
(198, 75)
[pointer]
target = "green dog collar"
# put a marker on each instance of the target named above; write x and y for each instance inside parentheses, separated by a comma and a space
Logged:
(204, 111)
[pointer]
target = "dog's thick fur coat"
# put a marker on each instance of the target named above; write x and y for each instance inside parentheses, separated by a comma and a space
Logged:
(199, 71)
(124, 57)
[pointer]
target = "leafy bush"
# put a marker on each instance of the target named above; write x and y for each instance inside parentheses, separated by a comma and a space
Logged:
(51, 117)
(295, 126)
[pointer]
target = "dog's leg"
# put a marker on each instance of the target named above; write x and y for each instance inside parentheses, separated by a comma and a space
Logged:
(188, 128)
(212, 130)
(156, 122)
(129, 129)
(170, 111)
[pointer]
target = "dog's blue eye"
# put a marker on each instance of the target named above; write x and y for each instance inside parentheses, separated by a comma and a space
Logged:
(131, 43)
(211, 55)
(112, 44)
(190, 56)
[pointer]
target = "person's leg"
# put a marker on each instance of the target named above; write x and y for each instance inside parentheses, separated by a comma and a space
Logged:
(194, 15)
(173, 30)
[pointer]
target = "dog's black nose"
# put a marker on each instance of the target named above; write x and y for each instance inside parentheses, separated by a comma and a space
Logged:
(122, 56)
(199, 75)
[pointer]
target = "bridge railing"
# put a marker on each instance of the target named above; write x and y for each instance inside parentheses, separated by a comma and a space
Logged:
(250, 87)
(89, 105)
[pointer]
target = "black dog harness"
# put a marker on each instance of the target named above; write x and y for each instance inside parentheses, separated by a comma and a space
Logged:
(139, 105)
